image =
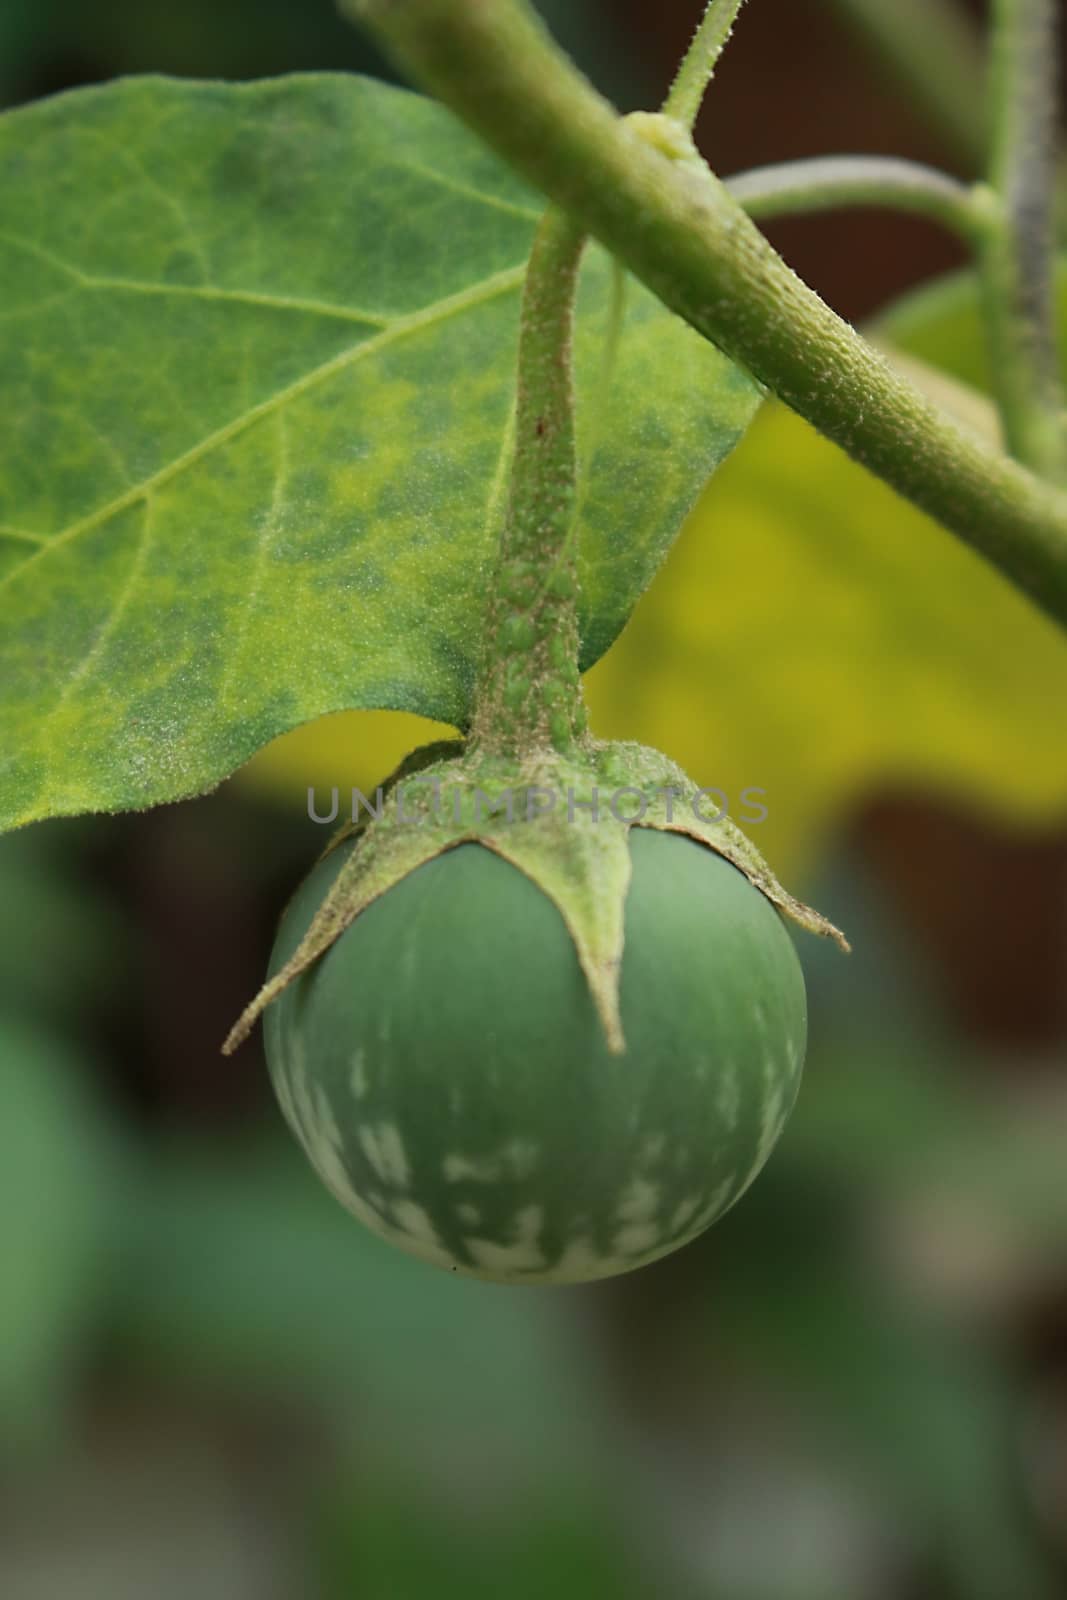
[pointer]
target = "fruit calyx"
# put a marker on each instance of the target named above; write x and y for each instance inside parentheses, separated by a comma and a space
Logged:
(562, 819)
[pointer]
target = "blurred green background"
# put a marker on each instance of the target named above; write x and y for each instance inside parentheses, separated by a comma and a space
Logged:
(214, 1383)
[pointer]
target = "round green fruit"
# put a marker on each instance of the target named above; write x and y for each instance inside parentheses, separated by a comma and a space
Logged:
(447, 1074)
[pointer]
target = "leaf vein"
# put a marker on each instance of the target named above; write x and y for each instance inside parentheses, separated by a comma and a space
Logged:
(456, 186)
(252, 297)
(122, 600)
(22, 535)
(135, 164)
(193, 291)
(489, 288)
(270, 525)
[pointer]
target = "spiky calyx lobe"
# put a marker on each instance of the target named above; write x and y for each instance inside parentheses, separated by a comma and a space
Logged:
(447, 1072)
(561, 819)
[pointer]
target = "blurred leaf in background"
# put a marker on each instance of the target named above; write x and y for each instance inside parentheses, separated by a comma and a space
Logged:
(552, 1544)
(60, 1192)
(265, 411)
(62, 1159)
(238, 1266)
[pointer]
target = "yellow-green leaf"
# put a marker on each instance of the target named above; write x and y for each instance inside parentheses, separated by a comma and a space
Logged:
(257, 350)
(814, 635)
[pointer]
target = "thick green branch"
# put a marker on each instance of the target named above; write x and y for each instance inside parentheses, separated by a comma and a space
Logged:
(795, 188)
(529, 693)
(700, 60)
(1019, 250)
(678, 230)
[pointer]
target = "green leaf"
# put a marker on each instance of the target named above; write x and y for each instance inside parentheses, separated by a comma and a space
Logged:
(257, 352)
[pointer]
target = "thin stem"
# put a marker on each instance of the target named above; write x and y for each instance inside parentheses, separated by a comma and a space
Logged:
(679, 231)
(700, 60)
(529, 694)
(794, 188)
(1019, 254)
(935, 52)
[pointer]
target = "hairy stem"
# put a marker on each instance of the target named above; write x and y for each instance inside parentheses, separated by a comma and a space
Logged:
(700, 60)
(529, 693)
(934, 50)
(794, 188)
(1017, 261)
(679, 231)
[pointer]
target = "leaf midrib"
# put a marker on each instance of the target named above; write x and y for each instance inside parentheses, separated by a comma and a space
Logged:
(476, 294)
(95, 282)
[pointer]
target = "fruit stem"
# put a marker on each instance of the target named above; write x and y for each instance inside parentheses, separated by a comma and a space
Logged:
(529, 693)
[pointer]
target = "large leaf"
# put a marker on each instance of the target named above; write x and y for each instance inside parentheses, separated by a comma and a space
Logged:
(814, 636)
(257, 364)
